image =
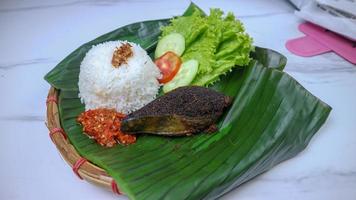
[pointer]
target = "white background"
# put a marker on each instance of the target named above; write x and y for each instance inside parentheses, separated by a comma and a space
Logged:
(35, 35)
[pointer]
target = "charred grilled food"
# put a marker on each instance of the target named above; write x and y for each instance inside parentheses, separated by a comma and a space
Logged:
(183, 111)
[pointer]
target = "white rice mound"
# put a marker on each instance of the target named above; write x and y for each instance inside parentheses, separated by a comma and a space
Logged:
(125, 88)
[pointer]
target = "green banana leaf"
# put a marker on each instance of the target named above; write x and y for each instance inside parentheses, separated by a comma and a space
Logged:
(271, 119)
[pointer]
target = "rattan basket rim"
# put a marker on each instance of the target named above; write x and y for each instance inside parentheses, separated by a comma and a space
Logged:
(87, 171)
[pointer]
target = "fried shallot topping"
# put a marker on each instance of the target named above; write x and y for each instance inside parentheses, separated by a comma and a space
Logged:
(121, 55)
(103, 125)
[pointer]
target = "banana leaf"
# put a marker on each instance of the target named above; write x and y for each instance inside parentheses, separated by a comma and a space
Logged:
(271, 119)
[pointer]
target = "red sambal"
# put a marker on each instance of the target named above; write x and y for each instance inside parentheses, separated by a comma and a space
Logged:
(103, 125)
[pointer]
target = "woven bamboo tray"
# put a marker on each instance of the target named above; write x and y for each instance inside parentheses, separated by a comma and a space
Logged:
(83, 168)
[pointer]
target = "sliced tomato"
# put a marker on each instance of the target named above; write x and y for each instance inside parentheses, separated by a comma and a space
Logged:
(169, 64)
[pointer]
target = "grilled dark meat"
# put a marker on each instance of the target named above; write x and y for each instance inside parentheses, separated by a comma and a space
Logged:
(183, 111)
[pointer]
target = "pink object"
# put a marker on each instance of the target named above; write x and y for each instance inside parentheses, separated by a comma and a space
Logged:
(51, 99)
(319, 40)
(57, 130)
(114, 187)
(77, 165)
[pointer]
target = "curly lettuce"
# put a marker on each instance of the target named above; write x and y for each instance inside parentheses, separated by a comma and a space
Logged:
(218, 42)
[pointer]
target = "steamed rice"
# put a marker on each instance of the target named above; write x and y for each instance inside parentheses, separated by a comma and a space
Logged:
(126, 88)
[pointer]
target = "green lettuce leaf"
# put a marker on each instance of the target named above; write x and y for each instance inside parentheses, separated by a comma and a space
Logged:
(183, 26)
(218, 43)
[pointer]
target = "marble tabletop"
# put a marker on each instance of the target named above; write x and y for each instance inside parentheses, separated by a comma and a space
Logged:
(35, 35)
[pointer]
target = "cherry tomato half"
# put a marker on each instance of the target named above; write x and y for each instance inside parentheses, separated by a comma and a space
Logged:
(169, 64)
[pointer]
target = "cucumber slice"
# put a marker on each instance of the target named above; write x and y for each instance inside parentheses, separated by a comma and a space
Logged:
(188, 70)
(174, 42)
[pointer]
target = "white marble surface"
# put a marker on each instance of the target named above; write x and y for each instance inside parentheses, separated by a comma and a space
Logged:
(37, 34)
